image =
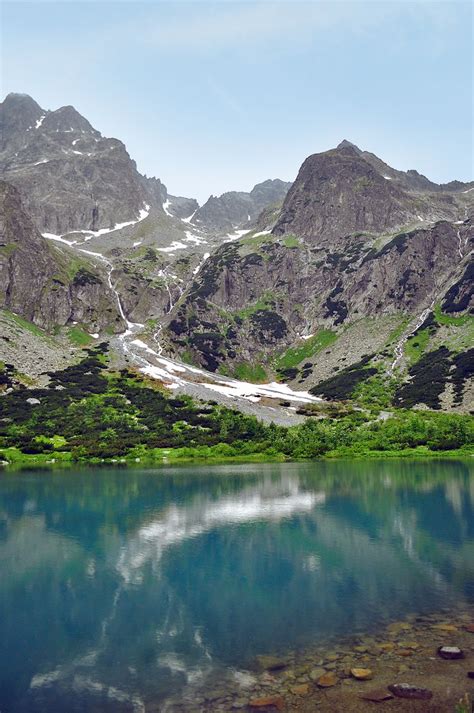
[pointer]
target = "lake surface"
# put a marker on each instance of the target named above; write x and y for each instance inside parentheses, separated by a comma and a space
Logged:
(123, 587)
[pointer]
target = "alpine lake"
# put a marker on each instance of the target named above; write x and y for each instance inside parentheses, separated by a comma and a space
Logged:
(257, 587)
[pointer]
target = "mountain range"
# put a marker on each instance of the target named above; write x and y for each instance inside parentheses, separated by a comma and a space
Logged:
(356, 276)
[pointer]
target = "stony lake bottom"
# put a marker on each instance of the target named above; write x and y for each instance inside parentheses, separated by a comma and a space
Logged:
(162, 589)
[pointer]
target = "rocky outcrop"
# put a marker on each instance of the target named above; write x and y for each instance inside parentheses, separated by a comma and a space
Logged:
(45, 283)
(338, 193)
(69, 176)
(237, 209)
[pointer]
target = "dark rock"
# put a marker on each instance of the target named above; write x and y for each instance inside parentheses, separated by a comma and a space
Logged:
(407, 690)
(450, 652)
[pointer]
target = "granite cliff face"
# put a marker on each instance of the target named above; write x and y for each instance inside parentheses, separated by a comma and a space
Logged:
(45, 283)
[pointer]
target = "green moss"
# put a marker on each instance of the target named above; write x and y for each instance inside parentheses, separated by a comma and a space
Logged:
(294, 356)
(251, 372)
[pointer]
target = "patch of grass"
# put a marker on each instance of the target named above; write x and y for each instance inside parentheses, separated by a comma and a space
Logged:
(416, 345)
(446, 319)
(291, 241)
(79, 337)
(254, 373)
(398, 331)
(266, 300)
(24, 324)
(295, 355)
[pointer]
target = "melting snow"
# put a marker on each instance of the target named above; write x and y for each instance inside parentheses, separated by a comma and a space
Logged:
(94, 336)
(235, 236)
(175, 245)
(262, 232)
(190, 237)
(59, 238)
(166, 205)
(468, 190)
(137, 243)
(190, 217)
(75, 142)
(45, 160)
(40, 121)
(388, 178)
(204, 258)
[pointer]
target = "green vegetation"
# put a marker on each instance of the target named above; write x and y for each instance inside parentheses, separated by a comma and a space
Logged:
(79, 337)
(416, 345)
(443, 318)
(24, 324)
(89, 413)
(251, 372)
(264, 302)
(291, 241)
(294, 356)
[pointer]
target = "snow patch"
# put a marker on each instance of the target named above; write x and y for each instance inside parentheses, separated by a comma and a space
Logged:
(196, 239)
(59, 238)
(175, 245)
(204, 258)
(137, 243)
(190, 217)
(166, 205)
(262, 232)
(388, 178)
(468, 190)
(230, 237)
(40, 121)
(44, 160)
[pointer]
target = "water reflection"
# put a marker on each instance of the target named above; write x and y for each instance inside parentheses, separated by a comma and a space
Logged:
(119, 587)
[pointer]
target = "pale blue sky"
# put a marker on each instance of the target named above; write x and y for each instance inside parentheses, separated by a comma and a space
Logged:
(214, 96)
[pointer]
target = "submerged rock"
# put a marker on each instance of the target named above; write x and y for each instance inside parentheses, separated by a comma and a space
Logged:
(407, 690)
(362, 674)
(316, 673)
(377, 696)
(327, 680)
(450, 652)
(267, 701)
(270, 663)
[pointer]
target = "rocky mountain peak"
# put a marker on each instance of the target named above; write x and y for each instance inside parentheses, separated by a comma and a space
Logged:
(339, 192)
(67, 119)
(348, 144)
(18, 114)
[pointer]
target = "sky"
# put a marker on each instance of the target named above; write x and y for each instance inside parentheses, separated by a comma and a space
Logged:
(217, 96)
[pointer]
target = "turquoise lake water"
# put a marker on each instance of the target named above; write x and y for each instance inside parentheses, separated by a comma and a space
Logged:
(123, 587)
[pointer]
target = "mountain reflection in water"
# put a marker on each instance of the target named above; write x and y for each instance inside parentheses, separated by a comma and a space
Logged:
(120, 587)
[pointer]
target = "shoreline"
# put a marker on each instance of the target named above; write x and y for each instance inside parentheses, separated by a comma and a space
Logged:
(181, 456)
(321, 678)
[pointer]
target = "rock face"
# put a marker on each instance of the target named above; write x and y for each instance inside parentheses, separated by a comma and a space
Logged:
(349, 249)
(237, 209)
(338, 193)
(68, 175)
(44, 283)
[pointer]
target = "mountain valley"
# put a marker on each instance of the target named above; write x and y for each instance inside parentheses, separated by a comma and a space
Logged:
(352, 284)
